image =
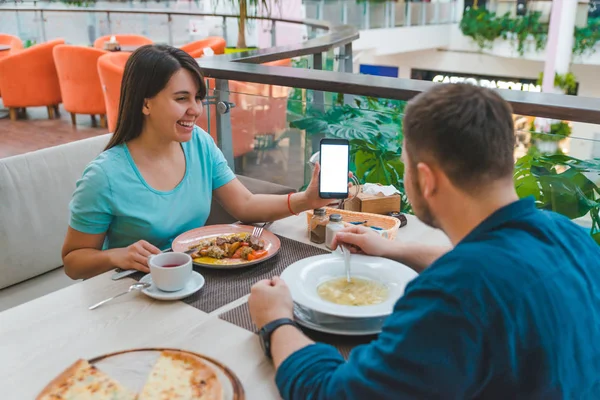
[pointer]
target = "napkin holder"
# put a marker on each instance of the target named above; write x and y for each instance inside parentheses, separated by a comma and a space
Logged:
(112, 45)
(373, 203)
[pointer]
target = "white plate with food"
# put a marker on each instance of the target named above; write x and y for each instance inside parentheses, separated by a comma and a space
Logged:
(227, 246)
(146, 374)
(319, 283)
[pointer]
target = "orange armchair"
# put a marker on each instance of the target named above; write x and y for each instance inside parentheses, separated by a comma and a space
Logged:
(111, 67)
(196, 49)
(80, 87)
(28, 78)
(124, 40)
(12, 41)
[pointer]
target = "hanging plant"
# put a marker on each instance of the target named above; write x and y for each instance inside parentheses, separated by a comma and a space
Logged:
(566, 82)
(558, 131)
(484, 27)
(587, 37)
(79, 3)
(525, 27)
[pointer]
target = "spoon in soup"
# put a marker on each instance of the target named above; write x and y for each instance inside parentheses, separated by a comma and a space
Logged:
(346, 255)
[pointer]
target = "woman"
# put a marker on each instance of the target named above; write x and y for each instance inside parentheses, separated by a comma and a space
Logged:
(158, 173)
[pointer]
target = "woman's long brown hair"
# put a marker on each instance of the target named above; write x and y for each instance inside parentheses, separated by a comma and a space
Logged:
(147, 72)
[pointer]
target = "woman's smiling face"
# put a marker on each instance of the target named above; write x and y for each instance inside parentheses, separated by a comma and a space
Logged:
(174, 110)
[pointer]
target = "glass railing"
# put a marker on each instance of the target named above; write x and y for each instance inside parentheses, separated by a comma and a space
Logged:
(163, 22)
(275, 131)
(268, 122)
(383, 14)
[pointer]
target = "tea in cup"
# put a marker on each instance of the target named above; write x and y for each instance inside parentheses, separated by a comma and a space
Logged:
(170, 271)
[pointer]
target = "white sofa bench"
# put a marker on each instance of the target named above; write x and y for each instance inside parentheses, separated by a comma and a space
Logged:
(35, 190)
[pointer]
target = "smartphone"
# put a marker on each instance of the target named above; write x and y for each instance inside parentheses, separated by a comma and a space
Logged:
(334, 160)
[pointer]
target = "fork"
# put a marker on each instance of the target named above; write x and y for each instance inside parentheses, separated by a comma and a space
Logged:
(258, 230)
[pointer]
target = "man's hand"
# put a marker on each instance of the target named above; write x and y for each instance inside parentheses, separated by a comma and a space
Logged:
(360, 239)
(270, 300)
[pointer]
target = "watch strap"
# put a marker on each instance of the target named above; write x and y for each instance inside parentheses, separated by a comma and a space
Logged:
(266, 331)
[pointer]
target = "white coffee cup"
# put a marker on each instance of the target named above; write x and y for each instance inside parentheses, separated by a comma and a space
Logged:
(170, 271)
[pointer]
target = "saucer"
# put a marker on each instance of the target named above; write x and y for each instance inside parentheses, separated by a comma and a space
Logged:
(195, 283)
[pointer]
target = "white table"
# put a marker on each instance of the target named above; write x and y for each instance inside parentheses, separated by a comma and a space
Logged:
(39, 339)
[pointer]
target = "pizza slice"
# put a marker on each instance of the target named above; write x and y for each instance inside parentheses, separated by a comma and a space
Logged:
(181, 376)
(83, 381)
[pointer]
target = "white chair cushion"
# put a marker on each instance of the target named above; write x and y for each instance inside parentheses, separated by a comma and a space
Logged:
(35, 190)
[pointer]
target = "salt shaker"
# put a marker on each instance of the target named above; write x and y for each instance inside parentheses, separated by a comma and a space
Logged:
(335, 224)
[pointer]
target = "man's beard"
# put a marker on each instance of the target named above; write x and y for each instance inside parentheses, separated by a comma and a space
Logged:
(420, 207)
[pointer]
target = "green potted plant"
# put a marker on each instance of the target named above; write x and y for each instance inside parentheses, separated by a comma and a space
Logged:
(546, 134)
(562, 184)
(374, 129)
(565, 82)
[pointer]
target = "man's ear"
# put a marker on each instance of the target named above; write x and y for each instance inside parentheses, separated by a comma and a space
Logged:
(146, 107)
(427, 180)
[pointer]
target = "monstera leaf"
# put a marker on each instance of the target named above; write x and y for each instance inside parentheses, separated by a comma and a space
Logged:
(354, 128)
(376, 164)
(558, 183)
(312, 125)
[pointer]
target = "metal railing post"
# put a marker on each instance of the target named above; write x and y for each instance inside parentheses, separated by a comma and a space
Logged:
(224, 136)
(225, 28)
(108, 23)
(344, 12)
(347, 65)
(367, 15)
(423, 13)
(408, 14)
(43, 25)
(436, 13)
(273, 34)
(318, 102)
(392, 8)
(318, 97)
(170, 28)
(320, 6)
(19, 28)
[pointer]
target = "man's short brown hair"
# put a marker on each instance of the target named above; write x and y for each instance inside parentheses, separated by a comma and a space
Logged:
(467, 130)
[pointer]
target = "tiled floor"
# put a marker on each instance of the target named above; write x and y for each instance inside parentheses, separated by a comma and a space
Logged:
(35, 131)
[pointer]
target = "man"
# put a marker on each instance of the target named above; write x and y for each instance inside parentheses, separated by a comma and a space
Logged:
(512, 311)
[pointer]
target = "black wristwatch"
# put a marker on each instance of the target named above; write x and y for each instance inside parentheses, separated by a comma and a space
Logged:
(266, 331)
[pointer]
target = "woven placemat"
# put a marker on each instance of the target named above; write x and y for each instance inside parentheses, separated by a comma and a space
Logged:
(224, 286)
(240, 316)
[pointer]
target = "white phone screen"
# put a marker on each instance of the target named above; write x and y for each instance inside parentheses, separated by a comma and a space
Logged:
(334, 168)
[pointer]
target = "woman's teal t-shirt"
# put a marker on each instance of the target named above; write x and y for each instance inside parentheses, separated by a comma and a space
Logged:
(113, 197)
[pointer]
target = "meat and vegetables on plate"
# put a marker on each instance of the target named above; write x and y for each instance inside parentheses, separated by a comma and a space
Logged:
(229, 249)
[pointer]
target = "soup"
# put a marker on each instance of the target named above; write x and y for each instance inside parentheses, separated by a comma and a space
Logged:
(357, 292)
